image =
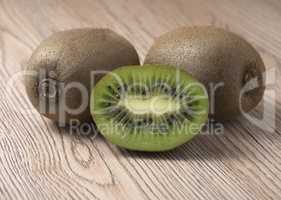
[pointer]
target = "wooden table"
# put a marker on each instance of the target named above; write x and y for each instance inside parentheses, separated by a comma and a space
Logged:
(40, 161)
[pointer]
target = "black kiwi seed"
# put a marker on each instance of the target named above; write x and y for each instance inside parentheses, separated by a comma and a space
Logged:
(139, 123)
(145, 121)
(110, 89)
(143, 92)
(173, 92)
(150, 120)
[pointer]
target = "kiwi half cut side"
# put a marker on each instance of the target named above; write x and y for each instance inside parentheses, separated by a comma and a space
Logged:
(149, 108)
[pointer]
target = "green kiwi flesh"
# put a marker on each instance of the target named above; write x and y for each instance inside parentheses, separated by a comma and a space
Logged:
(223, 61)
(70, 57)
(149, 108)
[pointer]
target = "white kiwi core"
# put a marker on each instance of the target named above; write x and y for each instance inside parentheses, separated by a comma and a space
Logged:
(157, 105)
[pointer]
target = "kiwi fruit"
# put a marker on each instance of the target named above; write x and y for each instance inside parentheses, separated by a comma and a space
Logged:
(149, 108)
(230, 68)
(59, 77)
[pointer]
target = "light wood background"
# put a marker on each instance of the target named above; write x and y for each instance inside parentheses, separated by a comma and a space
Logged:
(40, 161)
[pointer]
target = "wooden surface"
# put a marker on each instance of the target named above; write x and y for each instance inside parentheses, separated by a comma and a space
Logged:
(40, 161)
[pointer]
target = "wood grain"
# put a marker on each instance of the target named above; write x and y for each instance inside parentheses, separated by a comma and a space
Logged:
(40, 161)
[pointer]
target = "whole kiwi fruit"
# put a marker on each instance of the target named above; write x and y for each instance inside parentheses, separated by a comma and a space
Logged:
(59, 79)
(149, 107)
(230, 68)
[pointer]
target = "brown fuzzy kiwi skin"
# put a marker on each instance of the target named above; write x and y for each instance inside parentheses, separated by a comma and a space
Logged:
(71, 56)
(214, 55)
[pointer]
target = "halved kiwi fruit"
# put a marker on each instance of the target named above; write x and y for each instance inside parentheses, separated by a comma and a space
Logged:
(59, 77)
(150, 107)
(229, 66)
